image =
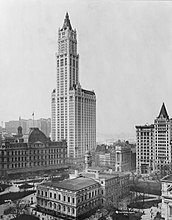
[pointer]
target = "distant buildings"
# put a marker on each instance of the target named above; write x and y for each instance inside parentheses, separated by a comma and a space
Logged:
(166, 194)
(117, 156)
(153, 146)
(43, 124)
(73, 108)
(20, 154)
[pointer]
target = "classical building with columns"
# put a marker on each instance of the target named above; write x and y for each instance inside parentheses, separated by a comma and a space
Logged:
(82, 194)
(73, 108)
(69, 199)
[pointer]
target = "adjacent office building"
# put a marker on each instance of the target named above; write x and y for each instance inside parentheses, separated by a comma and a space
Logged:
(144, 149)
(153, 146)
(73, 108)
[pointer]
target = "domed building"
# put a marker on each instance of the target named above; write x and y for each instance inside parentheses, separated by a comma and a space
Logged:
(32, 152)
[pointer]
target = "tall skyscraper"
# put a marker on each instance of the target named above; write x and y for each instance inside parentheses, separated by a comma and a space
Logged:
(153, 146)
(144, 148)
(73, 109)
(162, 139)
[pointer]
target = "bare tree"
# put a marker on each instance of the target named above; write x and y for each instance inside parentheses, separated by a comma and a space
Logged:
(17, 208)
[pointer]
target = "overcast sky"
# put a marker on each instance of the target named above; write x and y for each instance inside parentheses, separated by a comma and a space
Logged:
(125, 50)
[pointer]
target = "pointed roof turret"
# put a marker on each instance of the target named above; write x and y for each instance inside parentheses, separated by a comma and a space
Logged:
(163, 112)
(66, 23)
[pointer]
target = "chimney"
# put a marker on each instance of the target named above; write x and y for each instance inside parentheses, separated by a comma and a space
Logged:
(97, 175)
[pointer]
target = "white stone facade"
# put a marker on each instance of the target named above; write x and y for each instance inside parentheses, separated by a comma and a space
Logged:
(153, 146)
(73, 108)
(166, 194)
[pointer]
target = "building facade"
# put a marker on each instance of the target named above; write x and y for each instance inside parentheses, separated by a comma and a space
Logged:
(114, 186)
(69, 199)
(144, 149)
(123, 158)
(162, 139)
(30, 153)
(116, 156)
(43, 124)
(166, 194)
(82, 194)
(73, 108)
(153, 146)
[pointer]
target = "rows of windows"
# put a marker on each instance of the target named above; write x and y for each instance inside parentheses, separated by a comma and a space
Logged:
(57, 196)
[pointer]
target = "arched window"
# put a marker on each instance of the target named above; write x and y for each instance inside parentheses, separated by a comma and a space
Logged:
(54, 205)
(59, 207)
(64, 208)
(68, 209)
(50, 204)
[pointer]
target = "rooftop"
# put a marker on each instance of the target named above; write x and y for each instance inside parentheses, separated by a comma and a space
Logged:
(26, 217)
(72, 184)
(163, 112)
(66, 23)
(167, 178)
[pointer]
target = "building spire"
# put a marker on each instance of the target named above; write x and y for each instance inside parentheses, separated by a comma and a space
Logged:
(66, 23)
(163, 112)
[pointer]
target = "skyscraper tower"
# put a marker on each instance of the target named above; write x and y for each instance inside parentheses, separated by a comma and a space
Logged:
(73, 109)
(153, 147)
(162, 139)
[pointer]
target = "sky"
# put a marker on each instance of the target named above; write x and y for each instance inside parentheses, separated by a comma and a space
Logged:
(125, 50)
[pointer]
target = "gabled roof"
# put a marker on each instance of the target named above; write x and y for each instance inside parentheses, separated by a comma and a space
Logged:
(163, 112)
(67, 23)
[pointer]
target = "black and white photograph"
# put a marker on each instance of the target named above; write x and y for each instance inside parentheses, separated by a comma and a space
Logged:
(85, 109)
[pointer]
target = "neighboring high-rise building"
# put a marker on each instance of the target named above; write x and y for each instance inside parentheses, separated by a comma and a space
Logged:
(162, 139)
(73, 108)
(11, 126)
(144, 148)
(153, 147)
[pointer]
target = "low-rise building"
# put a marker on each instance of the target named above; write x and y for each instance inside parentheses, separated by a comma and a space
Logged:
(117, 156)
(30, 153)
(82, 194)
(70, 199)
(123, 157)
(166, 194)
(114, 185)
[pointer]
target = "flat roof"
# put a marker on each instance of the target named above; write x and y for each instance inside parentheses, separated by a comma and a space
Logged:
(72, 184)
(101, 175)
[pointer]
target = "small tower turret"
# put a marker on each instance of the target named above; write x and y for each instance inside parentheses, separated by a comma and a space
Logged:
(88, 160)
(20, 131)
